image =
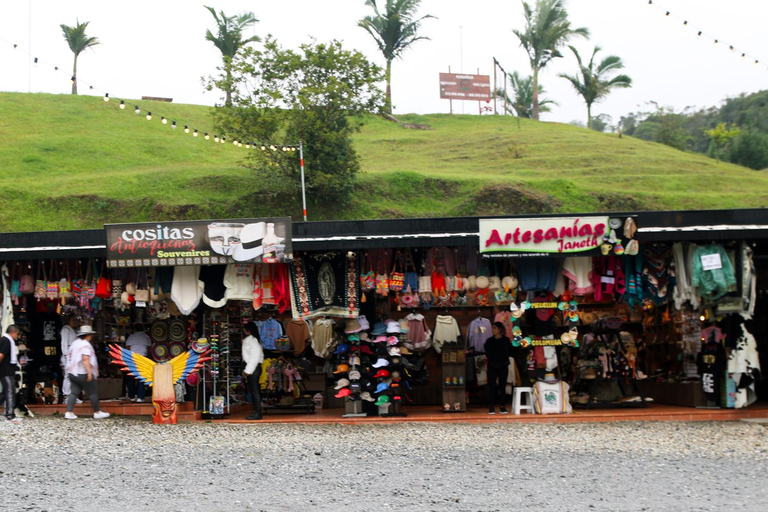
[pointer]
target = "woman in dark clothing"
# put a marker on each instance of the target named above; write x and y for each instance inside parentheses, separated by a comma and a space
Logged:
(498, 350)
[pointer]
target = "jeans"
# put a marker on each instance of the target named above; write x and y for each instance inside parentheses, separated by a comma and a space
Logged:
(497, 386)
(80, 383)
(255, 389)
(8, 395)
(136, 388)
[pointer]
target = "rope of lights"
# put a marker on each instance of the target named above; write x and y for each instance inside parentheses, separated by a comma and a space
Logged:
(700, 33)
(164, 120)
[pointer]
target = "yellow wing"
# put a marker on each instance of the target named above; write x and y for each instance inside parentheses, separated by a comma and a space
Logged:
(186, 363)
(139, 366)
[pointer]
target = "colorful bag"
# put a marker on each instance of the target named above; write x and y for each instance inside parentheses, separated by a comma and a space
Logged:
(283, 343)
(27, 283)
(368, 279)
(396, 279)
(65, 285)
(90, 292)
(40, 284)
(104, 286)
(382, 284)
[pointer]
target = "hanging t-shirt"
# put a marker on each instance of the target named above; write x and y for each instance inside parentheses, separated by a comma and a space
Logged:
(238, 279)
(711, 361)
(186, 290)
(212, 278)
(551, 398)
(505, 317)
(163, 279)
(298, 331)
(269, 331)
(478, 332)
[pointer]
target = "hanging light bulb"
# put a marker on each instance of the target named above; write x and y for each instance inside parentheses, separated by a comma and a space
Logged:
(699, 34)
(55, 68)
(137, 109)
(207, 137)
(186, 129)
(149, 116)
(122, 105)
(247, 145)
(72, 79)
(173, 124)
(215, 138)
(239, 144)
(106, 97)
(163, 120)
(234, 142)
(35, 61)
(223, 140)
(263, 147)
(194, 134)
(90, 87)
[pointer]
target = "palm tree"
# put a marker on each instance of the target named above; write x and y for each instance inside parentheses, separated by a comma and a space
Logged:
(594, 84)
(522, 87)
(77, 41)
(394, 31)
(229, 41)
(546, 29)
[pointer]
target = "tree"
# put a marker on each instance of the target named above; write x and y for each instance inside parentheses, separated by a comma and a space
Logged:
(394, 31)
(229, 40)
(522, 87)
(78, 41)
(721, 140)
(750, 149)
(317, 95)
(546, 29)
(594, 84)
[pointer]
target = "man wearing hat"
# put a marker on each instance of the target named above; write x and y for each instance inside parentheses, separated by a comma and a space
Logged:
(8, 365)
(83, 369)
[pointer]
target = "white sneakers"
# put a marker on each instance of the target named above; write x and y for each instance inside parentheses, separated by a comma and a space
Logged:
(97, 415)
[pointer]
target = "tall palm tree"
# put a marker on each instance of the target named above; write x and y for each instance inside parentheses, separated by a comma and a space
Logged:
(394, 31)
(546, 29)
(594, 84)
(77, 41)
(229, 40)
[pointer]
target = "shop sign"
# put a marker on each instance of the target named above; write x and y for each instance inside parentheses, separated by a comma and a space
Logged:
(542, 236)
(465, 87)
(214, 242)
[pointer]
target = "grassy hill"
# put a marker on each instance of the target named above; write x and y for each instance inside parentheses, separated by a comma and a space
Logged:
(77, 162)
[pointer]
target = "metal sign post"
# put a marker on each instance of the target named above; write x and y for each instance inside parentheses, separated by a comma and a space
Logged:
(303, 190)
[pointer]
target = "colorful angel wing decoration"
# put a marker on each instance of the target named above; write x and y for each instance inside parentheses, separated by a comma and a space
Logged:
(139, 366)
(186, 363)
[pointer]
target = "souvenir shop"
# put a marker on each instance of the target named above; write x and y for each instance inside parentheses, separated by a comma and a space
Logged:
(371, 317)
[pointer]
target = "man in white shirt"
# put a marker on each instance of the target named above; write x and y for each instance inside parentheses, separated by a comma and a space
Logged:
(68, 336)
(139, 343)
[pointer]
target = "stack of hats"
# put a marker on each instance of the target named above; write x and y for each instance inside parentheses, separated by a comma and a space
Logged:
(371, 367)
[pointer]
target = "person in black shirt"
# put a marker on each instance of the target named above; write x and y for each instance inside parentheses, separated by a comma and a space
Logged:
(498, 350)
(8, 366)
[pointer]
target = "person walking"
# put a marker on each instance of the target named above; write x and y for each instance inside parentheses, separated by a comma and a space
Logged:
(253, 356)
(8, 367)
(138, 343)
(498, 350)
(83, 370)
(68, 337)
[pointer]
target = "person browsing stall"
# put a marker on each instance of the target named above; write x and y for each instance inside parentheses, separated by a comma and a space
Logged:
(138, 342)
(83, 370)
(68, 337)
(253, 356)
(498, 350)
(8, 366)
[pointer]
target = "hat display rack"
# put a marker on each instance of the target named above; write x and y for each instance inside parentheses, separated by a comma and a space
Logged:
(370, 367)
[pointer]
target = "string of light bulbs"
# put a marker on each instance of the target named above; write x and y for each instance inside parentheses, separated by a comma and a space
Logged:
(700, 33)
(263, 146)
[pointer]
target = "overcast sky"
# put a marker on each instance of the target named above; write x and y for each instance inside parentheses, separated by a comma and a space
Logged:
(158, 48)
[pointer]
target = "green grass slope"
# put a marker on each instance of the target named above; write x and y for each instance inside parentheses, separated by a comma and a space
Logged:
(77, 162)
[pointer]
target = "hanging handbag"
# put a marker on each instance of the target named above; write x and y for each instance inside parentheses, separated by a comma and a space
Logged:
(92, 280)
(104, 285)
(77, 282)
(15, 288)
(396, 278)
(411, 278)
(27, 282)
(382, 284)
(65, 284)
(368, 279)
(142, 290)
(40, 284)
(52, 286)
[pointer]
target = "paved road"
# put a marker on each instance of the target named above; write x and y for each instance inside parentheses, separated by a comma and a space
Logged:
(129, 464)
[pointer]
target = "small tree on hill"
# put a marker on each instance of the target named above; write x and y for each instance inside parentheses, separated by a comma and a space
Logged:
(78, 41)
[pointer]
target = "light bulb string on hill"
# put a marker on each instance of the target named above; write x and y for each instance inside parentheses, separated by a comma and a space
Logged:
(701, 34)
(137, 107)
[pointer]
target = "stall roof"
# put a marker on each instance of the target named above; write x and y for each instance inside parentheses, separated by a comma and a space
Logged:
(684, 225)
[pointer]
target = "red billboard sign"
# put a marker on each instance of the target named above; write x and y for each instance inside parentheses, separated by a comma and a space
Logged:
(458, 86)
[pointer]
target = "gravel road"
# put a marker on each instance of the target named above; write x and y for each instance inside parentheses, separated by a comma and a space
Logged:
(130, 464)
